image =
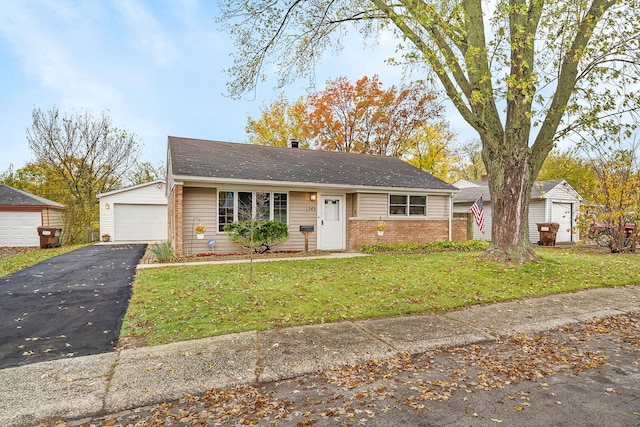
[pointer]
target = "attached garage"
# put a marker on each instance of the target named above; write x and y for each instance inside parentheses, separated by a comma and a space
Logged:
(21, 214)
(137, 213)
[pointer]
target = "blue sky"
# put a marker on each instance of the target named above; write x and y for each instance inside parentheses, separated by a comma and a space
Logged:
(157, 67)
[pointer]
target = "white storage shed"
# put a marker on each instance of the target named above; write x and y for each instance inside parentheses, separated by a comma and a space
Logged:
(551, 201)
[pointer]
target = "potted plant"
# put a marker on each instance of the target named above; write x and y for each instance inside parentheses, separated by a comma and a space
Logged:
(380, 227)
(200, 229)
(106, 237)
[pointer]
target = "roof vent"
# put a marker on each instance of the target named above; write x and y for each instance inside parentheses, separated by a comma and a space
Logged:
(294, 143)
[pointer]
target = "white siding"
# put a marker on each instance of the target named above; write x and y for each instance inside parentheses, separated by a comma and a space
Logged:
(537, 214)
(372, 206)
(302, 211)
(199, 206)
(376, 206)
(477, 234)
(438, 207)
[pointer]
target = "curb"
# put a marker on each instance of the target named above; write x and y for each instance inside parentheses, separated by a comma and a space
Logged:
(101, 384)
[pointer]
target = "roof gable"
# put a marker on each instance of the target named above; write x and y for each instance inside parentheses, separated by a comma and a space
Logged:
(195, 158)
(10, 196)
(159, 182)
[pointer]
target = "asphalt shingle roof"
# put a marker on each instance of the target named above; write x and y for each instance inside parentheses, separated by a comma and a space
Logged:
(228, 160)
(10, 196)
(471, 194)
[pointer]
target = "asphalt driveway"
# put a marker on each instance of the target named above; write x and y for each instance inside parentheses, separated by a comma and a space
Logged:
(70, 305)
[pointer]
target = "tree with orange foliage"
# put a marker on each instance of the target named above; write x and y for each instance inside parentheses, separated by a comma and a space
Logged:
(365, 118)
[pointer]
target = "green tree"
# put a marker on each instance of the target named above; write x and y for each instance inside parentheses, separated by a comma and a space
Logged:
(81, 156)
(522, 75)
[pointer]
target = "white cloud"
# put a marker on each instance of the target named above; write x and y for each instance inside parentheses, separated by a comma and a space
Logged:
(147, 32)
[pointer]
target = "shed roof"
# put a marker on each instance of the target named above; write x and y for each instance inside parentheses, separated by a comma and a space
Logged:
(472, 190)
(197, 158)
(10, 196)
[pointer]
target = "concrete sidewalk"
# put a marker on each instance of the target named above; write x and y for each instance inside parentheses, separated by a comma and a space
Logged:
(100, 384)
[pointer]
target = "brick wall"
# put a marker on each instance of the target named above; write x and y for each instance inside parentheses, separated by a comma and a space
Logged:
(363, 232)
(175, 219)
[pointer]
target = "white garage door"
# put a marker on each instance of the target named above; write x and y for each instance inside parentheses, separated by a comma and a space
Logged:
(561, 213)
(140, 222)
(19, 229)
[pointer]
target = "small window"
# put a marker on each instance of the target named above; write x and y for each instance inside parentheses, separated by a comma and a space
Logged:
(225, 209)
(397, 205)
(406, 205)
(280, 207)
(418, 205)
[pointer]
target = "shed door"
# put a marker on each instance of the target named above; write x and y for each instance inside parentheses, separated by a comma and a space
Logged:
(19, 229)
(562, 214)
(331, 236)
(140, 222)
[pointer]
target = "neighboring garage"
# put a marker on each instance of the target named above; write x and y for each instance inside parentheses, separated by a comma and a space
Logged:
(21, 214)
(551, 201)
(137, 213)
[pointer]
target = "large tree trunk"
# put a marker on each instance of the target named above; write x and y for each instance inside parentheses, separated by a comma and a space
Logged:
(510, 184)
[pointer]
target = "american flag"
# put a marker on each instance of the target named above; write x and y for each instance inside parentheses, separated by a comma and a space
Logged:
(478, 213)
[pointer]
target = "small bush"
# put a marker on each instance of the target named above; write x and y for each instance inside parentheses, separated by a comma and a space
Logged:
(444, 246)
(163, 251)
(260, 236)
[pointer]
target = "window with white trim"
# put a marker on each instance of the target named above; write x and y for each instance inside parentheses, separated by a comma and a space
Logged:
(407, 205)
(244, 205)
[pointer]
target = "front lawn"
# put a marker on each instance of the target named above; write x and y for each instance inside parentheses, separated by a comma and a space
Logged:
(187, 302)
(30, 256)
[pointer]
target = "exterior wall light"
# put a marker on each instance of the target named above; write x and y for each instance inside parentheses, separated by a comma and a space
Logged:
(312, 197)
(107, 206)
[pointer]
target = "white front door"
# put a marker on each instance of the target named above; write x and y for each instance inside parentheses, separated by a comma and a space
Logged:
(332, 223)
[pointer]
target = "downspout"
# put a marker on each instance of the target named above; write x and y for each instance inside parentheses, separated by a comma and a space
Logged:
(450, 216)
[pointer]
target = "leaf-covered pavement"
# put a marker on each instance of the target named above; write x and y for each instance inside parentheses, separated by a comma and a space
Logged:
(587, 374)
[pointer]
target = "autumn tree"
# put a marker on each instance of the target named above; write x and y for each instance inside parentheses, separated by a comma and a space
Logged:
(433, 150)
(82, 156)
(616, 201)
(576, 169)
(279, 122)
(522, 73)
(366, 118)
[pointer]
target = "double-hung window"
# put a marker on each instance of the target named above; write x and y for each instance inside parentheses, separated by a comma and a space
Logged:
(407, 205)
(246, 205)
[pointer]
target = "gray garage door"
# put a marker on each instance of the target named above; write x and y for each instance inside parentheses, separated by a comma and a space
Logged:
(140, 222)
(19, 229)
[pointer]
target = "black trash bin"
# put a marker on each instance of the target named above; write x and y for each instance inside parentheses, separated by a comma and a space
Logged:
(49, 237)
(548, 232)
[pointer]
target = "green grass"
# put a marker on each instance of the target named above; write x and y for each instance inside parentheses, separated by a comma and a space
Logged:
(31, 257)
(188, 302)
